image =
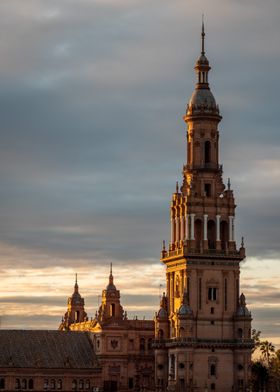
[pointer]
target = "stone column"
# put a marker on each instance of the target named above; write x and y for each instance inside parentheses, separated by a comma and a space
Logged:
(177, 229)
(187, 227)
(182, 227)
(205, 216)
(218, 239)
(192, 226)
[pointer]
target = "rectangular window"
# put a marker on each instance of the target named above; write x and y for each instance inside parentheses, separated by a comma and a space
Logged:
(212, 293)
(199, 293)
(207, 190)
(130, 383)
(225, 294)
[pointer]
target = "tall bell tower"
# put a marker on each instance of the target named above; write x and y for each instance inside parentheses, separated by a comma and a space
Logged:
(203, 327)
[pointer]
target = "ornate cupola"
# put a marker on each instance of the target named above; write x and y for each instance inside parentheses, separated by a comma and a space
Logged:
(202, 101)
(110, 308)
(75, 309)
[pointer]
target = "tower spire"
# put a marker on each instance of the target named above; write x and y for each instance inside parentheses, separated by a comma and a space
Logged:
(202, 36)
(76, 287)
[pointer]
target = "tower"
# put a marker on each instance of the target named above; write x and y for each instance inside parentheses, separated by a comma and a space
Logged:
(203, 333)
(75, 309)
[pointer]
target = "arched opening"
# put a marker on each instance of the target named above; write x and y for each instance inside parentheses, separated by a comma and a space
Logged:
(23, 384)
(2, 383)
(197, 154)
(160, 334)
(182, 332)
(30, 383)
(142, 344)
(207, 152)
(198, 233)
(74, 385)
(77, 316)
(213, 370)
(211, 234)
(240, 333)
(224, 234)
(112, 310)
(59, 384)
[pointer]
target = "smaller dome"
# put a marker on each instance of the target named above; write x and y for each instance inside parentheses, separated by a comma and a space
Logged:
(111, 286)
(185, 310)
(202, 60)
(162, 313)
(243, 312)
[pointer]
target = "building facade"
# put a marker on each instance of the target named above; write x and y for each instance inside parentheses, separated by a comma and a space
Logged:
(203, 327)
(123, 347)
(48, 361)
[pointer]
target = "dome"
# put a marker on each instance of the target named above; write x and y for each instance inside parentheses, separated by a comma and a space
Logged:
(185, 310)
(202, 100)
(111, 286)
(202, 60)
(162, 313)
(243, 312)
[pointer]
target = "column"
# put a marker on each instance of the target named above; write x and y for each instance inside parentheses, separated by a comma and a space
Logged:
(182, 225)
(218, 217)
(172, 224)
(192, 226)
(187, 227)
(230, 228)
(171, 291)
(168, 289)
(177, 229)
(205, 227)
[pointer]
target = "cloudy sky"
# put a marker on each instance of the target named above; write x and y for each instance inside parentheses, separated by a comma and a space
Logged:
(92, 94)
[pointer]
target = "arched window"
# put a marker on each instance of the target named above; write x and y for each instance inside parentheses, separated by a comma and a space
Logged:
(74, 385)
(207, 152)
(77, 316)
(211, 232)
(142, 344)
(240, 333)
(46, 383)
(160, 334)
(224, 234)
(59, 384)
(198, 233)
(30, 384)
(87, 384)
(52, 384)
(23, 384)
(213, 370)
(112, 310)
(17, 386)
(81, 384)
(2, 383)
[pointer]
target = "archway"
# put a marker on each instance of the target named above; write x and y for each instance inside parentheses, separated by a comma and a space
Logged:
(207, 152)
(224, 234)
(211, 234)
(198, 233)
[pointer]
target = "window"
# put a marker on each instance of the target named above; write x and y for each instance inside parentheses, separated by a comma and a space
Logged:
(23, 384)
(212, 310)
(59, 384)
(199, 293)
(52, 384)
(17, 386)
(112, 310)
(207, 190)
(212, 293)
(30, 384)
(207, 152)
(160, 334)
(81, 384)
(2, 383)
(213, 370)
(225, 294)
(131, 344)
(142, 344)
(150, 342)
(46, 383)
(130, 383)
(240, 383)
(87, 384)
(240, 333)
(77, 316)
(213, 387)
(74, 385)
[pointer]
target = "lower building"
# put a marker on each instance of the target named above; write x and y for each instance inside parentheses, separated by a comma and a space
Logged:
(48, 361)
(123, 347)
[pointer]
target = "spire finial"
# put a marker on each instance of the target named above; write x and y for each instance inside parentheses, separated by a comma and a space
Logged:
(111, 278)
(228, 184)
(177, 187)
(202, 35)
(111, 264)
(76, 287)
(163, 245)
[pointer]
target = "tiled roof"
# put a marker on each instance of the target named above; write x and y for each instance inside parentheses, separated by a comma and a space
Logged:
(46, 349)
